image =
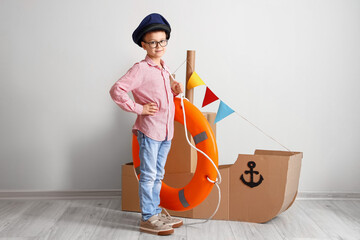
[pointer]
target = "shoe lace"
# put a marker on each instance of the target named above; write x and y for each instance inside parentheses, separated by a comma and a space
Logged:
(162, 215)
(167, 215)
(157, 223)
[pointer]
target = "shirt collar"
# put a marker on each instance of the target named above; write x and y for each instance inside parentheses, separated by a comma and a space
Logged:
(151, 62)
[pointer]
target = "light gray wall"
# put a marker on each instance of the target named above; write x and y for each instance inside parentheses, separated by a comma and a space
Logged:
(290, 67)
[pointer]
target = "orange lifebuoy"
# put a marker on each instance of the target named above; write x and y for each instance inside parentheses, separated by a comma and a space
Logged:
(188, 197)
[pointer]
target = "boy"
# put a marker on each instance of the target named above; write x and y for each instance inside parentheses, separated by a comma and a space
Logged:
(153, 91)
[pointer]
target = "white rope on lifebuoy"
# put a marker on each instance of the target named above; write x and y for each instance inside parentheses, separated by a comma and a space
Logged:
(218, 180)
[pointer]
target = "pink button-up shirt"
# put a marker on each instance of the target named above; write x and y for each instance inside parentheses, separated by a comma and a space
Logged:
(148, 82)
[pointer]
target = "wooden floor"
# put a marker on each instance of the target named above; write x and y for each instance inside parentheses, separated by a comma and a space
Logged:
(103, 219)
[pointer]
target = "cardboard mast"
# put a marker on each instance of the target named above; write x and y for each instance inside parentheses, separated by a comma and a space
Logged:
(190, 68)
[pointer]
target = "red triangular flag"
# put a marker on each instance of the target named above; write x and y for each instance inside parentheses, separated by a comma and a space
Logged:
(209, 97)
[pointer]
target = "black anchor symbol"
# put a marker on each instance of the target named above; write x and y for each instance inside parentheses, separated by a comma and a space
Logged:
(251, 184)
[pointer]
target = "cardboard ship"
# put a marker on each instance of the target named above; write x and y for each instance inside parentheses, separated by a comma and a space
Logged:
(256, 188)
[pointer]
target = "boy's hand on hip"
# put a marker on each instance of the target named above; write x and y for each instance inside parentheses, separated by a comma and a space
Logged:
(149, 109)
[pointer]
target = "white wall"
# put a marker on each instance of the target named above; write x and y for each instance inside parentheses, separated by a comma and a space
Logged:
(290, 67)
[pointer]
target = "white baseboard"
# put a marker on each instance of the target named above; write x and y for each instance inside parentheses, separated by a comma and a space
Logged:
(116, 193)
(75, 194)
(327, 196)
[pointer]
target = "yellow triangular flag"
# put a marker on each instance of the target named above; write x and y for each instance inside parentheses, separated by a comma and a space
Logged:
(194, 81)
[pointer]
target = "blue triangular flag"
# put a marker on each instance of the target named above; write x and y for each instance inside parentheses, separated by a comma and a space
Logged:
(223, 111)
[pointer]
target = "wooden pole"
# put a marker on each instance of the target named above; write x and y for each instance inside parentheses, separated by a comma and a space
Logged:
(190, 68)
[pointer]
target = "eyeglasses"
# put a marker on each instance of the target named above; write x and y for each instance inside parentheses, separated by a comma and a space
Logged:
(154, 44)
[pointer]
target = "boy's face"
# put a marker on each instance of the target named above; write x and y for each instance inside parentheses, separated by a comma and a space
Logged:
(157, 36)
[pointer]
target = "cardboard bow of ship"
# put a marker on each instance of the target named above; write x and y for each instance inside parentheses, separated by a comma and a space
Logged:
(263, 185)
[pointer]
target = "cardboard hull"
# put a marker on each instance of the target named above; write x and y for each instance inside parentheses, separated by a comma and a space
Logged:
(280, 172)
(277, 191)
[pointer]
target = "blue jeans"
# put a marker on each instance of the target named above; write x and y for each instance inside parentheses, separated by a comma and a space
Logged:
(153, 155)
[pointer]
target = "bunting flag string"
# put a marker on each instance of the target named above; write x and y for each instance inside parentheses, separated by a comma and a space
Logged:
(223, 110)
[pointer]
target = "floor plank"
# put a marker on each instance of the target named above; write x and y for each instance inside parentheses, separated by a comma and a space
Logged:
(117, 224)
(351, 208)
(79, 220)
(243, 231)
(10, 212)
(214, 229)
(331, 219)
(40, 216)
(295, 223)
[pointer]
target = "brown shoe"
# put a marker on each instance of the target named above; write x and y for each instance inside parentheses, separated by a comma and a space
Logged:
(171, 221)
(155, 226)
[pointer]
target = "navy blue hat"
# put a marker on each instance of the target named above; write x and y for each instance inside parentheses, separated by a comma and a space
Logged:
(150, 23)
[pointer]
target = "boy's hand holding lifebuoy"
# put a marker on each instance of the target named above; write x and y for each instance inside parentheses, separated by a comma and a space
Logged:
(177, 87)
(149, 109)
